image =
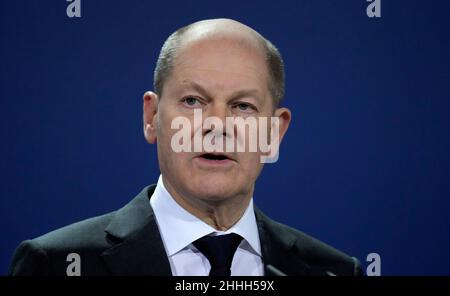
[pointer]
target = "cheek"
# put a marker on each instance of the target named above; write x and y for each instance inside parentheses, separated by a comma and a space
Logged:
(250, 164)
(164, 130)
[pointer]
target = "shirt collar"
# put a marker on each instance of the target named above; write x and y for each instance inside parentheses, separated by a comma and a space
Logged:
(179, 228)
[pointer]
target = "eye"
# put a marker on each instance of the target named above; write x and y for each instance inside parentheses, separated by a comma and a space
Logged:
(191, 102)
(246, 107)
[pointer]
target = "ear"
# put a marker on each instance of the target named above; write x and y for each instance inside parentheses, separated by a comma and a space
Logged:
(150, 119)
(284, 116)
(278, 130)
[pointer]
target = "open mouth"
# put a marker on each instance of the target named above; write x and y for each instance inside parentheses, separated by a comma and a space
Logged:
(215, 156)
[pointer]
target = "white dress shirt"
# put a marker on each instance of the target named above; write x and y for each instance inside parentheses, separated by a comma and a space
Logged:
(179, 229)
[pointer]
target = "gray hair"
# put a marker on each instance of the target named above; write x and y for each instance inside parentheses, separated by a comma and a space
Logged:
(164, 65)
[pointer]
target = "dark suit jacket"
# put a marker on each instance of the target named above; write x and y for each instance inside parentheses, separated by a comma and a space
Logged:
(128, 242)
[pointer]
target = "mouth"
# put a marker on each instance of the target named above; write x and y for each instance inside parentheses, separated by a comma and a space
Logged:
(215, 158)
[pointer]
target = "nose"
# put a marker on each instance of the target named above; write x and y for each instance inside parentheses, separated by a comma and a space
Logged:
(218, 111)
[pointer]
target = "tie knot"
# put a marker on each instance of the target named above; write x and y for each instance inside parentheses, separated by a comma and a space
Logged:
(219, 250)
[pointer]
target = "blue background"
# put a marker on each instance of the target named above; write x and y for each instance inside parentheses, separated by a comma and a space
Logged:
(365, 165)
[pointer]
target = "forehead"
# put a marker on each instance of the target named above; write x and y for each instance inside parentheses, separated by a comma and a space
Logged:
(222, 62)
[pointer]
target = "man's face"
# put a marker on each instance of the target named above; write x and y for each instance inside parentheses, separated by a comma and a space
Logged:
(222, 78)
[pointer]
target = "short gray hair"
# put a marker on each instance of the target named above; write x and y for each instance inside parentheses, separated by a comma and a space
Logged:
(164, 65)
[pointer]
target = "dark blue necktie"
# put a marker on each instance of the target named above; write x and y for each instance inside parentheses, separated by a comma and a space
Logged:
(219, 250)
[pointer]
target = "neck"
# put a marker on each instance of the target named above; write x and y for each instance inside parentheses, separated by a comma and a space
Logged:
(220, 214)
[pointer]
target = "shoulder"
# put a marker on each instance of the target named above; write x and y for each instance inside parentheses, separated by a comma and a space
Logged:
(47, 254)
(89, 233)
(90, 239)
(317, 257)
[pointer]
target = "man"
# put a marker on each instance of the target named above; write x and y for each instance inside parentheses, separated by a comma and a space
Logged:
(199, 219)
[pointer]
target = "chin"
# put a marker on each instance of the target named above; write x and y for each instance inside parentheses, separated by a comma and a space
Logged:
(211, 188)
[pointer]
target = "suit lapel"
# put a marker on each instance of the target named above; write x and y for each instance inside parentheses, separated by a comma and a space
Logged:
(278, 248)
(137, 245)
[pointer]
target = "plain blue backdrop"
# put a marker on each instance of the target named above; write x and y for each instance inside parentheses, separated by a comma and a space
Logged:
(365, 165)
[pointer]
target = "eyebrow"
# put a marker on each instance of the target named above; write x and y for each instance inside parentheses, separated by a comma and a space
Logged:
(235, 95)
